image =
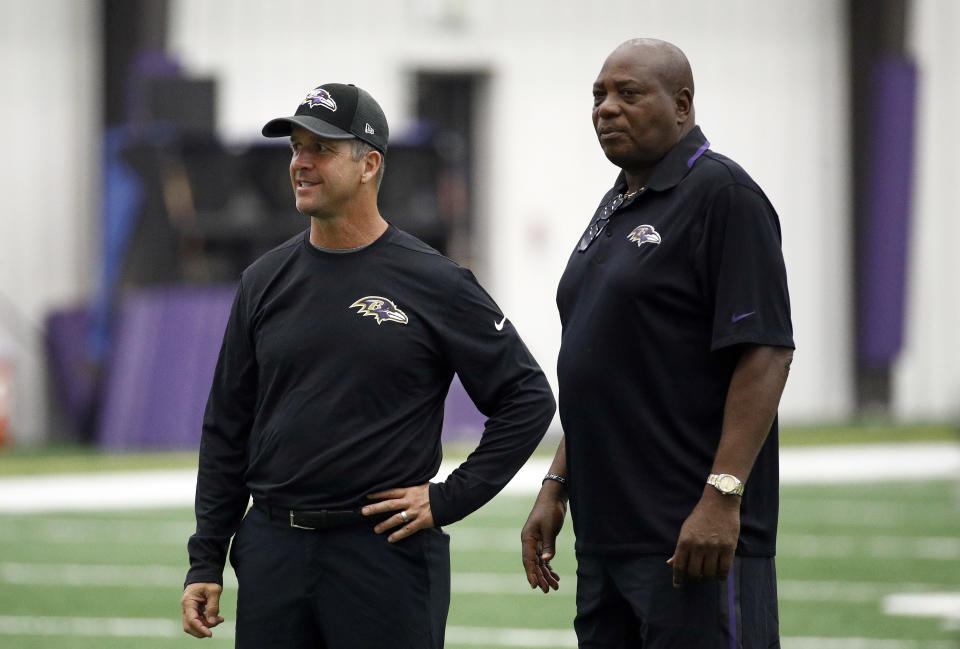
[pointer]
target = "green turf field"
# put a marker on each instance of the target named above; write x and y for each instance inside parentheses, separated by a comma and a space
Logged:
(108, 580)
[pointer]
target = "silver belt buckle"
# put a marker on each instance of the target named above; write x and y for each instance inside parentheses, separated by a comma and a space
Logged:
(301, 527)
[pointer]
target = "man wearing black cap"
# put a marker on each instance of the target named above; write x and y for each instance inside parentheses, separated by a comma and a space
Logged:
(326, 408)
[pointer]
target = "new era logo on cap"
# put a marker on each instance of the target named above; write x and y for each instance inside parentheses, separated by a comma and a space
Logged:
(336, 111)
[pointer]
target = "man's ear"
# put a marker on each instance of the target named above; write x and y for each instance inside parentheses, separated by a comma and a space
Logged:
(683, 103)
(371, 164)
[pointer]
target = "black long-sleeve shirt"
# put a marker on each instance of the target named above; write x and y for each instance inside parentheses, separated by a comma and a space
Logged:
(331, 383)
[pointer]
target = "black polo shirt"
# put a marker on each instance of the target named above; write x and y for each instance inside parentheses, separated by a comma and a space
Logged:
(653, 312)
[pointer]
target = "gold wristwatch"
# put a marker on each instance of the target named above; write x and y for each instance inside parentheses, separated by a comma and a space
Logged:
(728, 485)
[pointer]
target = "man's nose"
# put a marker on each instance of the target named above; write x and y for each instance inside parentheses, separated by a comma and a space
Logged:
(301, 160)
(608, 107)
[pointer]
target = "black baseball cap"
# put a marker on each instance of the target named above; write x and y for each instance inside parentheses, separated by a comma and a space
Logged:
(338, 111)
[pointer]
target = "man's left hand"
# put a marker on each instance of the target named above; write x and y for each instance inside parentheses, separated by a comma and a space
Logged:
(708, 539)
(412, 505)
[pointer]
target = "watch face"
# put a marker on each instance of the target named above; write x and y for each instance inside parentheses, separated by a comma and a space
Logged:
(727, 483)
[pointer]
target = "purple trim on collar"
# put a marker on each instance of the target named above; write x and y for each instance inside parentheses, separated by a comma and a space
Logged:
(703, 147)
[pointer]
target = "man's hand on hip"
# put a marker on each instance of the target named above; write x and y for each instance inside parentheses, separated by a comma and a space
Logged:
(708, 539)
(539, 537)
(412, 505)
(200, 606)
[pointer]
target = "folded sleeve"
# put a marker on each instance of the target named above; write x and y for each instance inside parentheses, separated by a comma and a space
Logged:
(746, 277)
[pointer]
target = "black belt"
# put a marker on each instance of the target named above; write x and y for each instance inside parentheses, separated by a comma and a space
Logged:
(318, 519)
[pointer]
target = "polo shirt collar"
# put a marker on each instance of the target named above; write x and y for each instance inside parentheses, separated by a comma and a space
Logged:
(674, 166)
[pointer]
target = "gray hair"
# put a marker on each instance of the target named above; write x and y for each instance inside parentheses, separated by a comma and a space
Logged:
(359, 149)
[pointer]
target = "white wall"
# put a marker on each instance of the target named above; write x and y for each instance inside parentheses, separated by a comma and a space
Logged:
(48, 170)
(771, 93)
(927, 374)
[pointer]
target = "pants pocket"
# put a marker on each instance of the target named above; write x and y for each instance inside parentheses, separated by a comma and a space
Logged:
(236, 544)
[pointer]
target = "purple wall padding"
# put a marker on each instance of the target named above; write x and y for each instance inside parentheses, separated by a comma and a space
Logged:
(884, 236)
(164, 353)
(166, 346)
(72, 367)
(461, 419)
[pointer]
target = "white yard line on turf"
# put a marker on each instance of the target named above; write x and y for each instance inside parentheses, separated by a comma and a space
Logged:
(809, 642)
(145, 489)
(462, 635)
(498, 637)
(76, 531)
(97, 491)
(117, 627)
(869, 462)
(902, 598)
(942, 605)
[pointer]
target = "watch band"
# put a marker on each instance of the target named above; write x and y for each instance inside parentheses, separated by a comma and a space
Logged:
(555, 477)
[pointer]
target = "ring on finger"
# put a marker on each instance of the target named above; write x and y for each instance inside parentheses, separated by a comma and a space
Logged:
(404, 517)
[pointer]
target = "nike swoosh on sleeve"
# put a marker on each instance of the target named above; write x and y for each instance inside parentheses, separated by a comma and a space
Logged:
(499, 325)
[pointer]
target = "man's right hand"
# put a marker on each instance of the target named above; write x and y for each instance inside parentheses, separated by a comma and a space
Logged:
(539, 536)
(200, 605)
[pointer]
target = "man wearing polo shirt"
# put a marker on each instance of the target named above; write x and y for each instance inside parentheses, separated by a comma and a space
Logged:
(676, 346)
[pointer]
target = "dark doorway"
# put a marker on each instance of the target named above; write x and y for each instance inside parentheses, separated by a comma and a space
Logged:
(447, 107)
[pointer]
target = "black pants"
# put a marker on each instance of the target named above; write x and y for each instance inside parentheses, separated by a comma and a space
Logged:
(345, 588)
(629, 602)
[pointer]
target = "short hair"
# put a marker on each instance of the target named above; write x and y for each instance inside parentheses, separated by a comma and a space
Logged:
(359, 149)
